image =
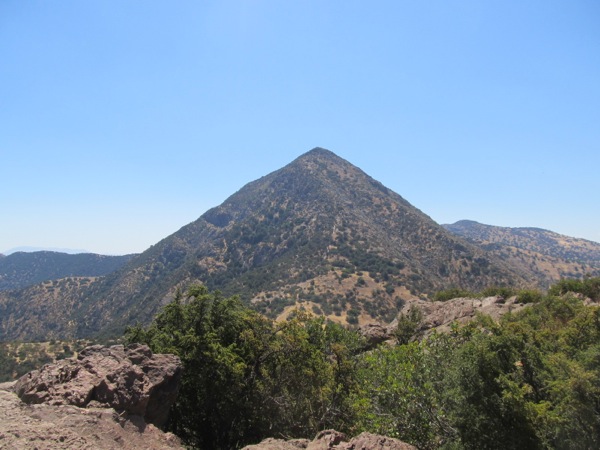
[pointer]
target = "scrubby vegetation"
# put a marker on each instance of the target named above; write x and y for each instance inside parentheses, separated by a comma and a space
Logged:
(449, 294)
(530, 381)
(523, 295)
(589, 287)
(17, 358)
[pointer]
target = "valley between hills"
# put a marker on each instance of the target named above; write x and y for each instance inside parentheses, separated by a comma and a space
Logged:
(318, 233)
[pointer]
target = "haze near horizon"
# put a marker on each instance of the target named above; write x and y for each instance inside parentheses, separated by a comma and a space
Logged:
(122, 122)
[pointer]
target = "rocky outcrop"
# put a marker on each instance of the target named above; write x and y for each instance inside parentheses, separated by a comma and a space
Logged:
(374, 333)
(129, 379)
(440, 316)
(370, 441)
(279, 444)
(47, 427)
(334, 440)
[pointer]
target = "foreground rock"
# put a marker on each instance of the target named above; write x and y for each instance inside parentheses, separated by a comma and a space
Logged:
(331, 439)
(129, 379)
(49, 427)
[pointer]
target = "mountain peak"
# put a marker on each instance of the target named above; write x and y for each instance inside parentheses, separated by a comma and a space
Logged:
(318, 232)
(319, 151)
(320, 154)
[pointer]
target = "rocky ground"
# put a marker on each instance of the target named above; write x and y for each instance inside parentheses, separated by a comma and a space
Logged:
(106, 398)
(42, 426)
(334, 440)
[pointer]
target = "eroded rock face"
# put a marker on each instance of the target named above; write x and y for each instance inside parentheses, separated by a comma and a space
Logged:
(50, 427)
(129, 379)
(334, 440)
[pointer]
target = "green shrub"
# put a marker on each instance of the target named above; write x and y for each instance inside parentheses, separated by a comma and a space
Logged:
(529, 296)
(590, 287)
(502, 291)
(449, 294)
(408, 326)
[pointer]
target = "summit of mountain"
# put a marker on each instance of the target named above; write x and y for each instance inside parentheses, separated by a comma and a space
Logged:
(318, 232)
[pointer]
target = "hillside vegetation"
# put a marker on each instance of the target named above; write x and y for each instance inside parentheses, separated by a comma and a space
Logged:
(43, 311)
(542, 254)
(18, 358)
(319, 231)
(529, 381)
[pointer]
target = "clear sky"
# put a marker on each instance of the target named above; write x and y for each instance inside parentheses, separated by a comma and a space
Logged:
(121, 121)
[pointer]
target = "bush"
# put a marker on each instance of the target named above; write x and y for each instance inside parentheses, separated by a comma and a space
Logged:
(530, 381)
(408, 326)
(590, 287)
(449, 294)
(502, 291)
(529, 296)
(352, 316)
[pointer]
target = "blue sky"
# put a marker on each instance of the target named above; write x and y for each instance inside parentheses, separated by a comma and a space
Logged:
(121, 121)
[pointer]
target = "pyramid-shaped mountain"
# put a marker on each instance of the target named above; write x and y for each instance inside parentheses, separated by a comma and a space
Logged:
(319, 232)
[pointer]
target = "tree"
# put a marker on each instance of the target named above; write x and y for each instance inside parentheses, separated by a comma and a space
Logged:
(408, 326)
(221, 344)
(246, 378)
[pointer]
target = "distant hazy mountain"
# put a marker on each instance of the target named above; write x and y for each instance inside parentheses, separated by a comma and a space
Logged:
(69, 251)
(19, 270)
(318, 232)
(542, 254)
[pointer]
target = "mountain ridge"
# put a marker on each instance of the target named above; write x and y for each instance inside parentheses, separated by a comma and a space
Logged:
(22, 269)
(318, 232)
(543, 254)
(30, 249)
